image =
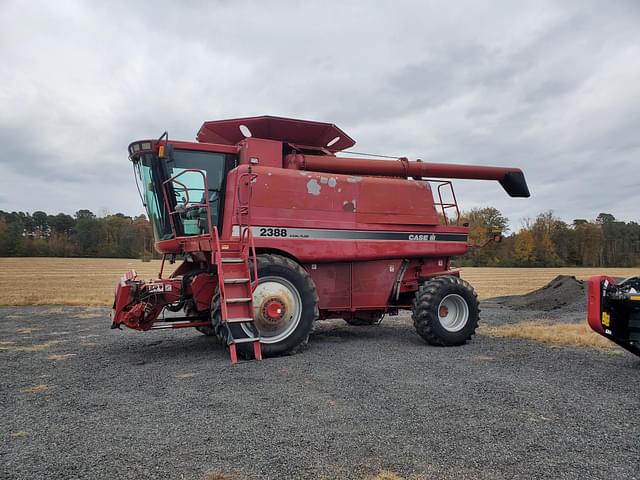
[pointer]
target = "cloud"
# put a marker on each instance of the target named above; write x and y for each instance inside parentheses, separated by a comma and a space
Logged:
(551, 87)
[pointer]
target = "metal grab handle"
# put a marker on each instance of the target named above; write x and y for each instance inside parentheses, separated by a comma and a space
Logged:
(206, 189)
(444, 206)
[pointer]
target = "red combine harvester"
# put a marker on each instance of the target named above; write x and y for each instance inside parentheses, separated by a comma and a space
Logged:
(275, 232)
(614, 310)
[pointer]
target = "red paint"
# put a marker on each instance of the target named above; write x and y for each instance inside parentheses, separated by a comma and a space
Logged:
(302, 132)
(594, 301)
(202, 288)
(274, 309)
(395, 168)
(257, 351)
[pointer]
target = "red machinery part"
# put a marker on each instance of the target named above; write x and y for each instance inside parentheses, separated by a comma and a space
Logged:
(614, 311)
(594, 301)
(138, 304)
(511, 179)
(304, 132)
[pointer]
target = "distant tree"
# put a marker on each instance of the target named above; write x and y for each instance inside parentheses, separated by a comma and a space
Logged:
(524, 247)
(548, 232)
(483, 222)
(84, 214)
(620, 242)
(589, 238)
(4, 228)
(40, 224)
(13, 243)
(88, 233)
(61, 224)
(546, 252)
(603, 218)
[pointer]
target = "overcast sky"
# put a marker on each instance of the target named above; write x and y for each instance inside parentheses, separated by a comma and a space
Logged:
(551, 87)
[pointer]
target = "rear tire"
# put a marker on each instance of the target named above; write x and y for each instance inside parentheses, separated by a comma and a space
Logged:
(279, 279)
(445, 311)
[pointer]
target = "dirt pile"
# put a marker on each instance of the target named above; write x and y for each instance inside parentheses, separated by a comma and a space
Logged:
(563, 291)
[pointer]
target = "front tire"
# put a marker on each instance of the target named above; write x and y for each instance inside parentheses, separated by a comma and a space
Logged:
(285, 305)
(445, 311)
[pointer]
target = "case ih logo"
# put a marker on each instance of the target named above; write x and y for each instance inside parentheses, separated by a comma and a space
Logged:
(431, 237)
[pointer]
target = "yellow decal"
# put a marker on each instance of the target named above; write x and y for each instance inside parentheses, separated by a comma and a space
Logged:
(635, 297)
(606, 319)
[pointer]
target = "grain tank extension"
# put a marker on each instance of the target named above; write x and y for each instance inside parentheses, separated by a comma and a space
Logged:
(274, 231)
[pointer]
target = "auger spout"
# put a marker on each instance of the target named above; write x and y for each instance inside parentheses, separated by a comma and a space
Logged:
(512, 179)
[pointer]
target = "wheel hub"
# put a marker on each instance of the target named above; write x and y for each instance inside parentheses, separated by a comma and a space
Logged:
(453, 312)
(277, 308)
(273, 310)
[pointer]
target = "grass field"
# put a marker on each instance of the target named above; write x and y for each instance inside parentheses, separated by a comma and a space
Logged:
(91, 281)
(571, 334)
(67, 281)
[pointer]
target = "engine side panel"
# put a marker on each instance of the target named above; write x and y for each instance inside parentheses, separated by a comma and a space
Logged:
(317, 217)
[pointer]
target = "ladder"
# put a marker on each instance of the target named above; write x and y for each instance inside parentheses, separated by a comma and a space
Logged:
(236, 296)
(235, 282)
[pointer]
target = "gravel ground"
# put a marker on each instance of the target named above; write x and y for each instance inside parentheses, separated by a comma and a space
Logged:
(84, 401)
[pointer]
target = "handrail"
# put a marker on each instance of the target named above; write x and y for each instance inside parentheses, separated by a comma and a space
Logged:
(186, 190)
(223, 294)
(442, 204)
(252, 248)
(242, 213)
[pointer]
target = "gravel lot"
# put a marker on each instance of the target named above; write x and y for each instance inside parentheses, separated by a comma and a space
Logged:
(81, 401)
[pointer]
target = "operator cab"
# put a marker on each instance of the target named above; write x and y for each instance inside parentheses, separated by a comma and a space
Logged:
(181, 187)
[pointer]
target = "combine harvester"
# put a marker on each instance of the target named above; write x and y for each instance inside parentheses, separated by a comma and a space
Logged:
(614, 310)
(275, 232)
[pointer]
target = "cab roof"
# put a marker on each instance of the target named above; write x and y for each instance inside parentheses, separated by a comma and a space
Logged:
(290, 130)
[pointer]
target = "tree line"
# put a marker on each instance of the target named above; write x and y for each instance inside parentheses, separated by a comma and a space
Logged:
(545, 241)
(81, 235)
(548, 241)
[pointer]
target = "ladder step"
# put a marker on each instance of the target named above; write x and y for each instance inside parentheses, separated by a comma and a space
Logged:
(245, 340)
(239, 320)
(236, 280)
(238, 300)
(232, 260)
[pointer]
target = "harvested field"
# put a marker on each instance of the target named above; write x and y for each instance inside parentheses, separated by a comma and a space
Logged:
(67, 281)
(88, 281)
